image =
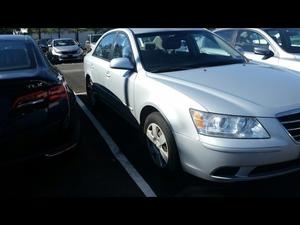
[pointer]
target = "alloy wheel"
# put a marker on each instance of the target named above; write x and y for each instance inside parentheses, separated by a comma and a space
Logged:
(157, 145)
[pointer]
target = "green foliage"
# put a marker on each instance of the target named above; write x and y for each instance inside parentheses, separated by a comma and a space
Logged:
(6, 30)
(100, 30)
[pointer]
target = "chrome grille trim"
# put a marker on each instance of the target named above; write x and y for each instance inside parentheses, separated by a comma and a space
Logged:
(291, 122)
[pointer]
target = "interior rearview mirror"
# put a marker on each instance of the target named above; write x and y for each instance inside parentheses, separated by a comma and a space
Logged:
(121, 63)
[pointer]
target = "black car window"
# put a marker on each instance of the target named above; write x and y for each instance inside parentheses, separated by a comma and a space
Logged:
(16, 55)
(227, 35)
(104, 48)
(122, 47)
(247, 40)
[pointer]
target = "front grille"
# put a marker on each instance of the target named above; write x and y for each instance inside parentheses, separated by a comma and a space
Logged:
(69, 52)
(292, 124)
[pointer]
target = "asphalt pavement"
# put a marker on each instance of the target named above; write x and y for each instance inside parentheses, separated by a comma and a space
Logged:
(93, 171)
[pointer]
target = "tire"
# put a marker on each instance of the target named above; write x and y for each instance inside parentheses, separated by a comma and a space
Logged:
(171, 163)
(90, 92)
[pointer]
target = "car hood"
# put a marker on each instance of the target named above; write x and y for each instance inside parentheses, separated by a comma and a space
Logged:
(249, 89)
(67, 48)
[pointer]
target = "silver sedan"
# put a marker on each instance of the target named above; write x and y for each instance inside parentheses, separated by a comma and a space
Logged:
(201, 105)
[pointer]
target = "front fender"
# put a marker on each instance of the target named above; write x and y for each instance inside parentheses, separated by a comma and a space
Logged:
(173, 106)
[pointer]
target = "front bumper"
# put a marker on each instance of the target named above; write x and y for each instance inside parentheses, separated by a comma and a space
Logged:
(228, 160)
(68, 57)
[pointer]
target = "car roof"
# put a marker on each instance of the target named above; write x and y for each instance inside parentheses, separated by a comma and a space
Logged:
(11, 37)
(153, 30)
(238, 28)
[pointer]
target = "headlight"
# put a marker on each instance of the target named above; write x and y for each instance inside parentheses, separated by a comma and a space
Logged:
(228, 126)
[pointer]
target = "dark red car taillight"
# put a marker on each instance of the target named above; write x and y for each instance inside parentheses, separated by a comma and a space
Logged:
(57, 93)
(51, 94)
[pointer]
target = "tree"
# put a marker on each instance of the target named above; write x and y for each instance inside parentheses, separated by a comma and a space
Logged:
(35, 31)
(76, 31)
(6, 30)
(100, 30)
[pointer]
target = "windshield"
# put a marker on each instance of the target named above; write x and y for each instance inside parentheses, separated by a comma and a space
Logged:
(287, 39)
(181, 50)
(65, 42)
(15, 55)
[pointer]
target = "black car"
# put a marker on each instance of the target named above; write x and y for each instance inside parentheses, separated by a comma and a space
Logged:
(44, 44)
(38, 110)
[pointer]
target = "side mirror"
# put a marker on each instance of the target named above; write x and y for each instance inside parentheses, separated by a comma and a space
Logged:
(121, 63)
(49, 46)
(263, 51)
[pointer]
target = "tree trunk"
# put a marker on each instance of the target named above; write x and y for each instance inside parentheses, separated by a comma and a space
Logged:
(58, 30)
(40, 35)
(77, 35)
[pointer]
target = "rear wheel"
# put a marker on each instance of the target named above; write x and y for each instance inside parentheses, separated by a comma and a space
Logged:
(161, 143)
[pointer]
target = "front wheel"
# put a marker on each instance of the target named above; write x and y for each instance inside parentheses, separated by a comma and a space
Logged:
(161, 143)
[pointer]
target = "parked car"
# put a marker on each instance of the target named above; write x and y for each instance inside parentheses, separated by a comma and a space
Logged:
(92, 40)
(207, 110)
(64, 49)
(43, 44)
(38, 113)
(274, 46)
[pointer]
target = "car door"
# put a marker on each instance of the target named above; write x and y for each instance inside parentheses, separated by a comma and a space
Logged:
(247, 40)
(120, 82)
(100, 61)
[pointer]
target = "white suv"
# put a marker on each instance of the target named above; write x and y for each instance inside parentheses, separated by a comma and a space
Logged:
(274, 46)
